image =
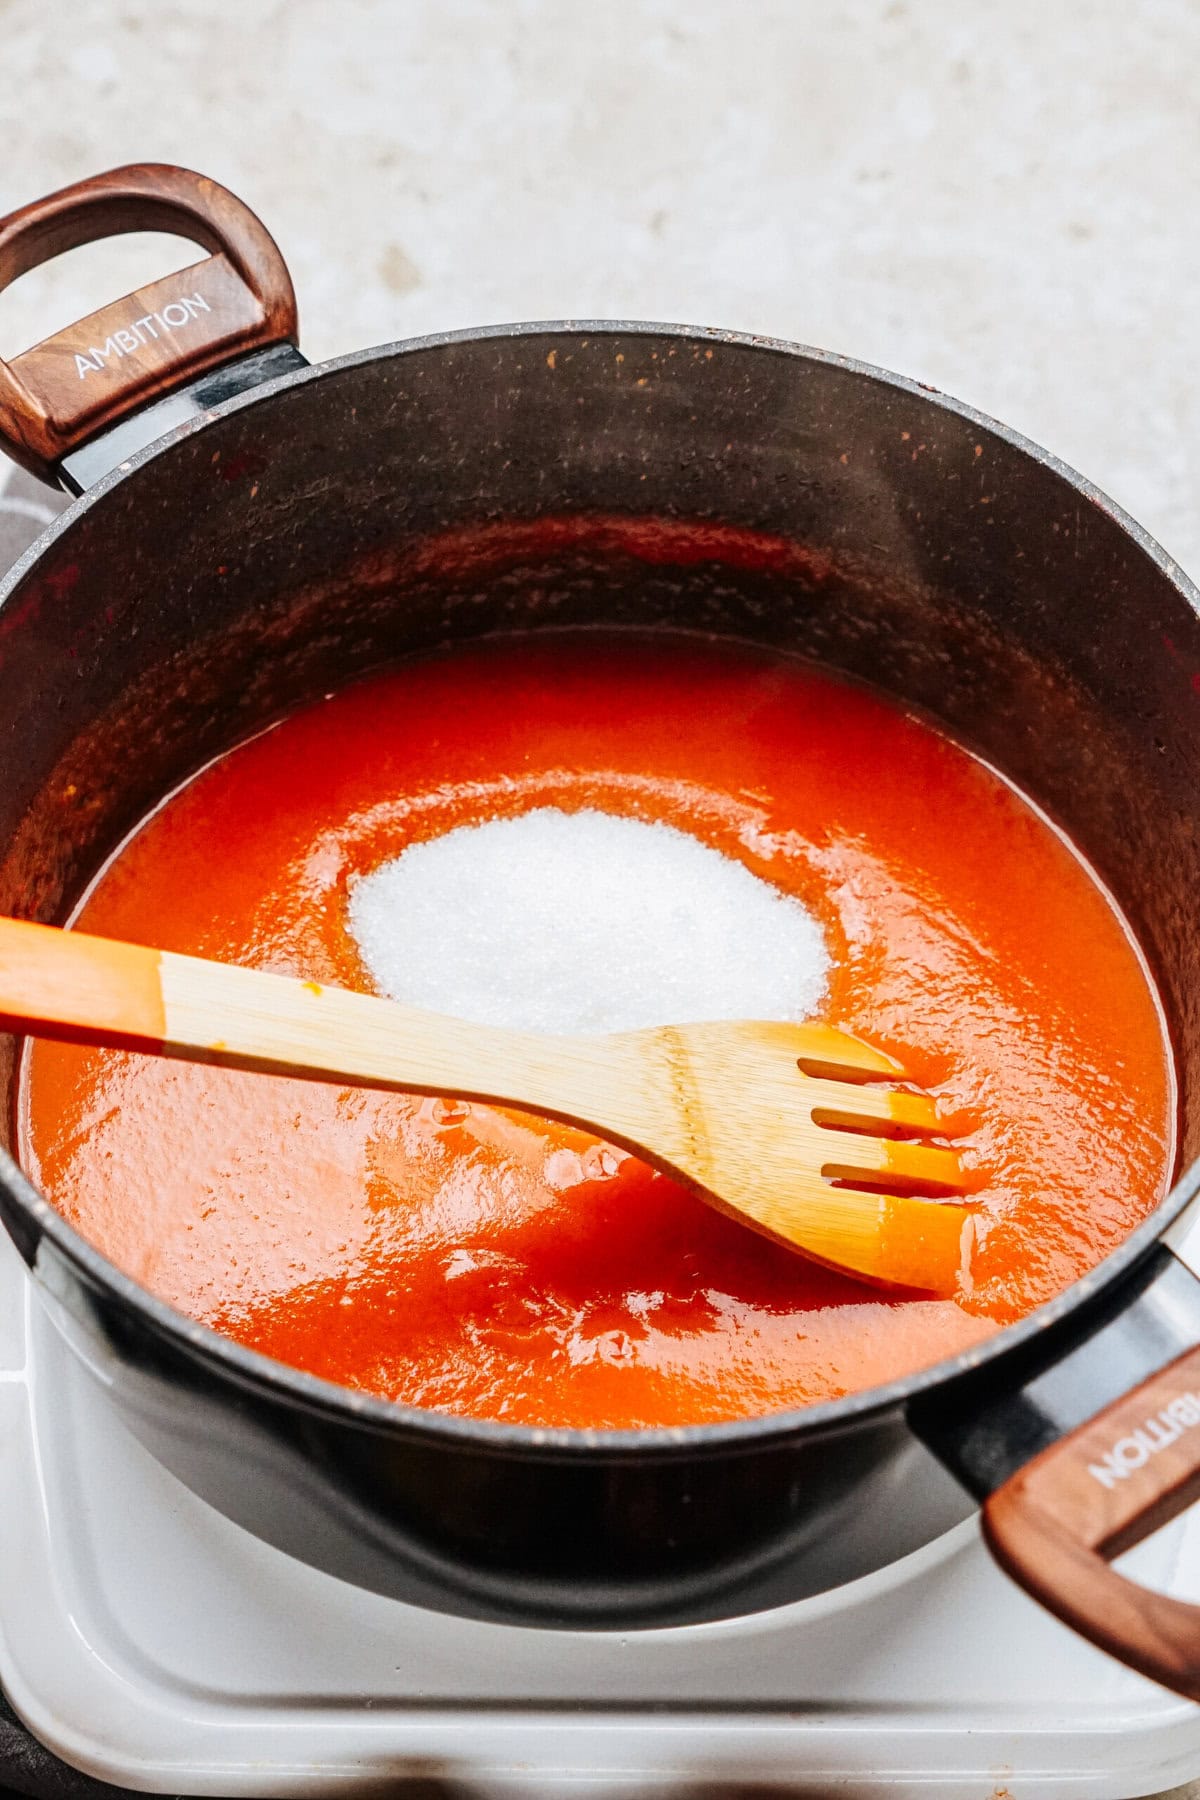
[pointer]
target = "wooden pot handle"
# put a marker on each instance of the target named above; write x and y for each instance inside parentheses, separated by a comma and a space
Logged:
(240, 298)
(1056, 1524)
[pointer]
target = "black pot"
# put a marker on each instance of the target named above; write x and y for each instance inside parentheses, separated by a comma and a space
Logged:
(251, 531)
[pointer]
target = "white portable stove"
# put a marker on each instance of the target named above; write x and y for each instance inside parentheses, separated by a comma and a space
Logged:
(151, 1643)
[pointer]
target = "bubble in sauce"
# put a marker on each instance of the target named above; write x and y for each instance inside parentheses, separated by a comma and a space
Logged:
(584, 922)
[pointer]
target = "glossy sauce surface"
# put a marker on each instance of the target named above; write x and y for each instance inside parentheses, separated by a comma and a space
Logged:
(479, 1261)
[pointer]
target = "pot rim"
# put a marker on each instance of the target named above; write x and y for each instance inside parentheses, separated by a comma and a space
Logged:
(249, 1368)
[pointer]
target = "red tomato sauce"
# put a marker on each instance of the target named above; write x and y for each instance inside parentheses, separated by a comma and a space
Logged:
(479, 1261)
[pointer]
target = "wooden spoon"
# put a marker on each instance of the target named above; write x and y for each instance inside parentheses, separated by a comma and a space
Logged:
(762, 1119)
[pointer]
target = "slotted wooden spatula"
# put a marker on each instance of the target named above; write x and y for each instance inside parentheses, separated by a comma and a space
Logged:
(762, 1119)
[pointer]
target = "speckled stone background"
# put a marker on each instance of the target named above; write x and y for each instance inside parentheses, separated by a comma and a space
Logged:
(997, 199)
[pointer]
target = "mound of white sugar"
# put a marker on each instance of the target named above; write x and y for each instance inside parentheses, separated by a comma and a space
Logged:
(581, 922)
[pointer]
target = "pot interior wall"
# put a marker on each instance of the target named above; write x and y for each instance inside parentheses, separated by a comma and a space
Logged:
(617, 478)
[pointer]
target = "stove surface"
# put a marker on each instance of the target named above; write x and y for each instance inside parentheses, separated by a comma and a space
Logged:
(153, 1644)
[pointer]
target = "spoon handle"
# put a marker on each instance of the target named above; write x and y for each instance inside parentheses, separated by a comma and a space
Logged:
(70, 985)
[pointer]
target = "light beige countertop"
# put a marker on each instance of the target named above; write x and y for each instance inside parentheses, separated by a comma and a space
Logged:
(998, 200)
